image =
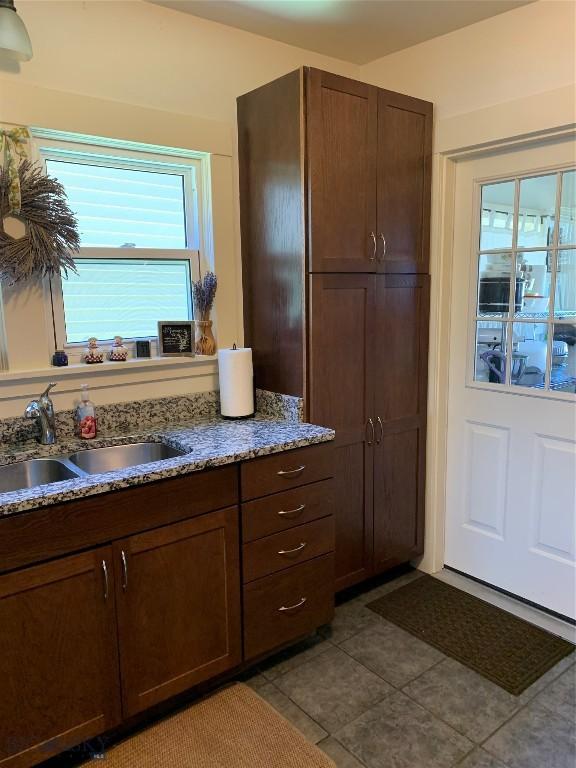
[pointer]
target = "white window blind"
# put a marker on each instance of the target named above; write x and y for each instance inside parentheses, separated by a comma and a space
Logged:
(139, 222)
(125, 297)
(119, 207)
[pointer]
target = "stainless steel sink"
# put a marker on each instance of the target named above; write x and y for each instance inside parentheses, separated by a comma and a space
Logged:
(96, 460)
(29, 474)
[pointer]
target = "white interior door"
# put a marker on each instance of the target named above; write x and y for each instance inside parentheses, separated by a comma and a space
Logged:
(511, 469)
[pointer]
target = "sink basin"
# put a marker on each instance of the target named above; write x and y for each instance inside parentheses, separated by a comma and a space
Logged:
(28, 474)
(96, 460)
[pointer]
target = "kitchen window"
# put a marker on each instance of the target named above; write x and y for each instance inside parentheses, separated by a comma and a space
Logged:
(525, 317)
(139, 221)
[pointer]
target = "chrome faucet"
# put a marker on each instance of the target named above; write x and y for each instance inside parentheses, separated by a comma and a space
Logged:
(42, 409)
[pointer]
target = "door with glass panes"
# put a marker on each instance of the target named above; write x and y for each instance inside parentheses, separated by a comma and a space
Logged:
(511, 498)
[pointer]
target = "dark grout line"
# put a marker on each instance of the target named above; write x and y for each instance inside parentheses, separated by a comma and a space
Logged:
(524, 706)
(330, 736)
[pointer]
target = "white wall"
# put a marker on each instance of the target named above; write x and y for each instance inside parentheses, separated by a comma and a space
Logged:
(134, 71)
(137, 53)
(131, 70)
(524, 52)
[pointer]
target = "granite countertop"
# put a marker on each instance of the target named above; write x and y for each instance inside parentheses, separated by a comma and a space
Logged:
(206, 442)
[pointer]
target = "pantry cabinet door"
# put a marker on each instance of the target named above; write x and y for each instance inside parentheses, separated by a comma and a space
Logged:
(404, 177)
(341, 396)
(58, 657)
(341, 116)
(178, 593)
(402, 308)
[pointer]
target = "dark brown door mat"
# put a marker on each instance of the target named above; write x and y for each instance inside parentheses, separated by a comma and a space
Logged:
(507, 650)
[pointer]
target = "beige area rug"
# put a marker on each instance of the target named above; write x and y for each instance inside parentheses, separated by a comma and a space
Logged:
(234, 728)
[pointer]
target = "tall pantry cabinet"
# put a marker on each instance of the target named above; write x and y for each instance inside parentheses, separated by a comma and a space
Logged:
(335, 210)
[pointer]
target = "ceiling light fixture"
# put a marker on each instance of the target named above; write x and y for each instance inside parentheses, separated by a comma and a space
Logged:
(14, 39)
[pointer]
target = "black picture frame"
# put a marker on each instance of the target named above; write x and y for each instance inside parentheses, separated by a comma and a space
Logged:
(176, 338)
(143, 348)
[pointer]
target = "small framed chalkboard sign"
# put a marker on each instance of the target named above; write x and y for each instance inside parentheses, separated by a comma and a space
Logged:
(176, 338)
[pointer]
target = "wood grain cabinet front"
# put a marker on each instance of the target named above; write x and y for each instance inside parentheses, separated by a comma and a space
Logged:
(353, 218)
(284, 549)
(89, 640)
(58, 657)
(287, 605)
(178, 595)
(282, 471)
(282, 511)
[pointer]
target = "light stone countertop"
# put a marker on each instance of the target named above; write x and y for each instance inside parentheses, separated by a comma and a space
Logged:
(207, 442)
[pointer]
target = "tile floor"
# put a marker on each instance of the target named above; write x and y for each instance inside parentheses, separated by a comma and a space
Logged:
(373, 696)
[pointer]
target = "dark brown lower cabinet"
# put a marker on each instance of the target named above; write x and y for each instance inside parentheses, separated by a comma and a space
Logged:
(178, 594)
(287, 605)
(59, 682)
(367, 379)
(91, 639)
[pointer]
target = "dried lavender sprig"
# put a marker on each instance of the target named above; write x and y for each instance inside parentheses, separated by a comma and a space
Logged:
(204, 292)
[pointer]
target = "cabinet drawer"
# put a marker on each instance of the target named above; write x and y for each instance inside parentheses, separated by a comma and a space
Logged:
(281, 511)
(289, 469)
(287, 548)
(287, 605)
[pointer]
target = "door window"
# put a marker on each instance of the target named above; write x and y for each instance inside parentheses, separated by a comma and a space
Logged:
(525, 310)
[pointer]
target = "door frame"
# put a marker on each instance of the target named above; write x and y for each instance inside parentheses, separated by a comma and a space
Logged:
(512, 119)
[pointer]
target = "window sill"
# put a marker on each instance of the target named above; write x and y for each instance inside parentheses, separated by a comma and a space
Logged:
(108, 367)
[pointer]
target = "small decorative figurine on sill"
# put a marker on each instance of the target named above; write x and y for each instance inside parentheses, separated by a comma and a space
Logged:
(118, 351)
(59, 358)
(93, 354)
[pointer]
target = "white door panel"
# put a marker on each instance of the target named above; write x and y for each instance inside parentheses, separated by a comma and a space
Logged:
(511, 480)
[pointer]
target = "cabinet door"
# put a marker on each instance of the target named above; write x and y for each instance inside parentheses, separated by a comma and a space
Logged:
(58, 657)
(400, 404)
(404, 173)
(178, 594)
(341, 391)
(341, 119)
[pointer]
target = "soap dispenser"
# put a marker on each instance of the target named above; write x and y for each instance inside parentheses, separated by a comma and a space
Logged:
(85, 416)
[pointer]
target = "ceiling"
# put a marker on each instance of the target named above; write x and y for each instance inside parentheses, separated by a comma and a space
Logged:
(357, 31)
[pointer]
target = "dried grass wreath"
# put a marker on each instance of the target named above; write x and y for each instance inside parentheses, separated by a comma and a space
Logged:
(51, 229)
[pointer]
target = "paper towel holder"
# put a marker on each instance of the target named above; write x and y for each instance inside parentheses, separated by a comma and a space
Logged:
(234, 348)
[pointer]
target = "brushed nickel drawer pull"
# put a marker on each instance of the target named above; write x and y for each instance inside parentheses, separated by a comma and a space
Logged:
(290, 472)
(295, 511)
(292, 607)
(291, 551)
(124, 571)
(105, 574)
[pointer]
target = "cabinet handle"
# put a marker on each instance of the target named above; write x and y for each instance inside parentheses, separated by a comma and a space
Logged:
(291, 472)
(370, 440)
(380, 431)
(383, 245)
(299, 548)
(124, 571)
(295, 511)
(292, 607)
(373, 236)
(105, 574)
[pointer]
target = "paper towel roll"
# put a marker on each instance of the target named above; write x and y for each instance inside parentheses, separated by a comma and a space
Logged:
(236, 385)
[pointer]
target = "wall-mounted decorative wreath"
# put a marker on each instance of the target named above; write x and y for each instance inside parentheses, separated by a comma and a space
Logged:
(51, 235)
